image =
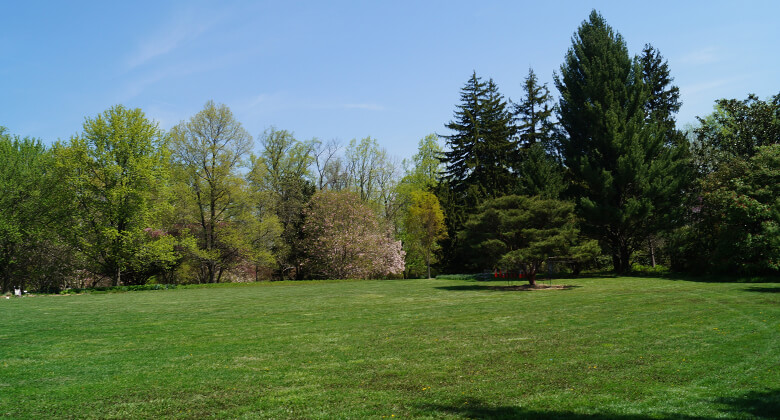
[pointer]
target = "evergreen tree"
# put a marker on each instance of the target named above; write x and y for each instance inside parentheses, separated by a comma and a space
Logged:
(539, 172)
(479, 161)
(520, 233)
(660, 109)
(623, 175)
(533, 113)
(664, 101)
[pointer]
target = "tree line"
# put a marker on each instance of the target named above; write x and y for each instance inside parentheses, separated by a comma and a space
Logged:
(602, 177)
(124, 203)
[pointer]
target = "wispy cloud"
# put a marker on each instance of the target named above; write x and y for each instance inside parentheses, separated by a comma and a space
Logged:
(278, 101)
(702, 56)
(177, 31)
(705, 86)
(370, 107)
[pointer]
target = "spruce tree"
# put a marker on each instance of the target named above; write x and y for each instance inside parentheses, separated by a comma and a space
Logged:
(664, 101)
(480, 159)
(661, 107)
(538, 170)
(533, 113)
(622, 173)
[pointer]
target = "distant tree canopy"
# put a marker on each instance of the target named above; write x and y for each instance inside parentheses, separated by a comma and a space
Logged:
(736, 221)
(737, 128)
(601, 168)
(209, 152)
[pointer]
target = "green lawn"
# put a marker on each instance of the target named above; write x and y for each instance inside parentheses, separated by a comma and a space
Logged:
(625, 348)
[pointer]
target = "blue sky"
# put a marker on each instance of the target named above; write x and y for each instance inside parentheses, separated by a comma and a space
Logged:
(343, 70)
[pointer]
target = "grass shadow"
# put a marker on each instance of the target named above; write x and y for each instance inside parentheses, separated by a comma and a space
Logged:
(758, 404)
(763, 289)
(711, 278)
(475, 409)
(761, 404)
(505, 288)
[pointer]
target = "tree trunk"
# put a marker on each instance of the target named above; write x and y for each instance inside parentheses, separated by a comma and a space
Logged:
(428, 262)
(652, 252)
(625, 255)
(532, 279)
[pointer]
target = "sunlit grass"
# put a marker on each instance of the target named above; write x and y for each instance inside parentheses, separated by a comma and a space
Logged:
(607, 348)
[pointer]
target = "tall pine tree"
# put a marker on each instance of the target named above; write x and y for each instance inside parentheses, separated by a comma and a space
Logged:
(539, 172)
(480, 159)
(533, 113)
(622, 173)
(664, 101)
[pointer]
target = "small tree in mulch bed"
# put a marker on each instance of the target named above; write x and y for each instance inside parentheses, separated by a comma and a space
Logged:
(520, 233)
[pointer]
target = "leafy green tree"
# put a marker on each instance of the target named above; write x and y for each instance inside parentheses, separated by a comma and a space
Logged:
(427, 165)
(282, 181)
(521, 233)
(622, 174)
(423, 173)
(736, 128)
(116, 171)
(736, 222)
(209, 151)
(424, 227)
(33, 209)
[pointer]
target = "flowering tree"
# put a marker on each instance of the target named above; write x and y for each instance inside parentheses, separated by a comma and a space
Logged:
(344, 239)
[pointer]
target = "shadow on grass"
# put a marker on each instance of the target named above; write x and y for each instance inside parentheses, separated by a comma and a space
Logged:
(763, 289)
(475, 409)
(711, 278)
(505, 288)
(760, 404)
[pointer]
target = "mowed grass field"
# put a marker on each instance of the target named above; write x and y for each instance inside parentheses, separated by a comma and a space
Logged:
(618, 348)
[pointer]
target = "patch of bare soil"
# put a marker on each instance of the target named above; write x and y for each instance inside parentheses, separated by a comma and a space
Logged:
(528, 287)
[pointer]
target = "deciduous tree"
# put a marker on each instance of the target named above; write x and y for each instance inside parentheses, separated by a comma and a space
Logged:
(33, 214)
(283, 183)
(344, 238)
(210, 150)
(424, 226)
(116, 171)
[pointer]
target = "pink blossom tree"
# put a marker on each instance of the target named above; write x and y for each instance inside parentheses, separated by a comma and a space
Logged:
(345, 239)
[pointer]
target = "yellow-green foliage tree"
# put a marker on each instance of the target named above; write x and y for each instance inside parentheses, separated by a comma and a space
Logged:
(116, 173)
(209, 151)
(424, 226)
